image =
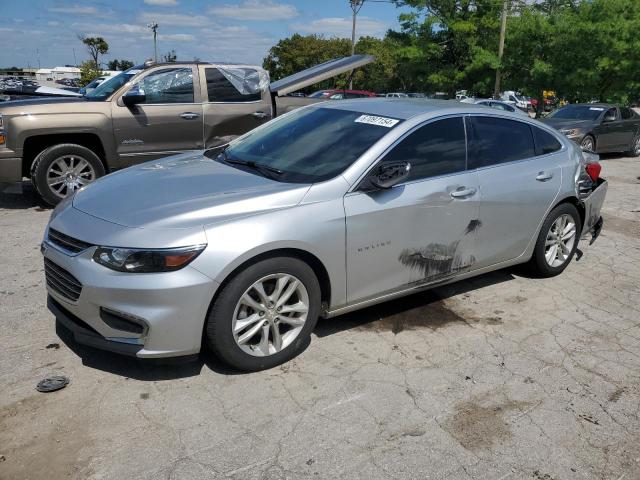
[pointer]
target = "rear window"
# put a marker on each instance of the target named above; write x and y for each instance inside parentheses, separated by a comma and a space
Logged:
(545, 142)
(498, 140)
(310, 144)
(220, 89)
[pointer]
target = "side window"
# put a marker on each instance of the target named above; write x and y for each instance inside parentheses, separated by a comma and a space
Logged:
(498, 140)
(626, 113)
(438, 148)
(220, 89)
(545, 142)
(172, 85)
(613, 112)
(498, 106)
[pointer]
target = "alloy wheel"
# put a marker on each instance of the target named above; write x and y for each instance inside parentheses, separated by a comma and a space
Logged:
(270, 314)
(587, 143)
(560, 240)
(69, 173)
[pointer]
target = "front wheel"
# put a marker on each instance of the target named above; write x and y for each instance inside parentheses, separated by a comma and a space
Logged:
(557, 241)
(60, 170)
(265, 315)
(588, 143)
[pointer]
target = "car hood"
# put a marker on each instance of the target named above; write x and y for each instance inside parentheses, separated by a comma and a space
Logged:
(563, 123)
(183, 191)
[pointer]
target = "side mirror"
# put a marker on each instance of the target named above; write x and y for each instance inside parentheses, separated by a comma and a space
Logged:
(390, 174)
(609, 117)
(134, 96)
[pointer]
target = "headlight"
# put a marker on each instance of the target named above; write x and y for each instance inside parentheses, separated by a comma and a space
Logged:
(570, 132)
(146, 261)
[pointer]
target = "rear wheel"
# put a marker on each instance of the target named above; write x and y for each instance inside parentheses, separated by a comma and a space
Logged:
(634, 150)
(61, 170)
(557, 241)
(265, 315)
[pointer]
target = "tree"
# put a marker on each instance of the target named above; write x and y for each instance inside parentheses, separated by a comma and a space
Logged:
(96, 46)
(170, 56)
(121, 65)
(88, 72)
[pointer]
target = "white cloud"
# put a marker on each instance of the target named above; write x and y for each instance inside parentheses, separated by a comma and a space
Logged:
(177, 37)
(162, 3)
(74, 10)
(110, 28)
(179, 20)
(53, 23)
(264, 10)
(341, 27)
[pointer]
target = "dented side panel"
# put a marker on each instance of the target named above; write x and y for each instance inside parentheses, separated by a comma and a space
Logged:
(410, 234)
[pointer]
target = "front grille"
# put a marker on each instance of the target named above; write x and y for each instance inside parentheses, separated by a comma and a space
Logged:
(70, 244)
(61, 281)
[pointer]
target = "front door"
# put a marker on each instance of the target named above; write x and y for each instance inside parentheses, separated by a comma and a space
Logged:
(519, 180)
(421, 231)
(169, 120)
(610, 133)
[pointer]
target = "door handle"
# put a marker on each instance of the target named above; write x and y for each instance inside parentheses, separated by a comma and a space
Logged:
(544, 176)
(259, 115)
(463, 192)
(189, 115)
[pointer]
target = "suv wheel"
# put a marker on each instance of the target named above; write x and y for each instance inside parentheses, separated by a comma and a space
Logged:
(265, 315)
(62, 169)
(557, 241)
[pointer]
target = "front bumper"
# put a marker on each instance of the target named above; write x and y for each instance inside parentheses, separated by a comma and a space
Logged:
(169, 308)
(10, 166)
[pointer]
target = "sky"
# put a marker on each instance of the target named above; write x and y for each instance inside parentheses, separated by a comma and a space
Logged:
(45, 32)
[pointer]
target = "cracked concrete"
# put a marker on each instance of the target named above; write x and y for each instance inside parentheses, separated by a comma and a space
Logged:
(498, 377)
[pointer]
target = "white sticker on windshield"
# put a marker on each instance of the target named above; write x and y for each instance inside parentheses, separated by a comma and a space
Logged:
(374, 120)
(598, 109)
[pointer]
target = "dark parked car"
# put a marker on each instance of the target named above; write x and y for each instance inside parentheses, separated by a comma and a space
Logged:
(599, 127)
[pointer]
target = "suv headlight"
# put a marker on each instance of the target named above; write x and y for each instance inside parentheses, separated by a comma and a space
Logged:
(135, 260)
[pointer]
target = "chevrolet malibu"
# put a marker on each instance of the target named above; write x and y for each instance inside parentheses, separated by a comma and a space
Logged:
(327, 209)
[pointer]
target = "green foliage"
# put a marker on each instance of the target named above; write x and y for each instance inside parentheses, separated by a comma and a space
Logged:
(582, 49)
(88, 72)
(121, 65)
(96, 46)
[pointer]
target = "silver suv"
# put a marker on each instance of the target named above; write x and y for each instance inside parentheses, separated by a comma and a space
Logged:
(327, 209)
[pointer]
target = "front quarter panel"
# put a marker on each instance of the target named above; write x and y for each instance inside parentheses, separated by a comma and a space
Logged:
(315, 226)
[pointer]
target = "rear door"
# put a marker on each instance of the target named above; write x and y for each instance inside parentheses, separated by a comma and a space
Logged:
(421, 231)
(168, 122)
(630, 121)
(519, 180)
(236, 100)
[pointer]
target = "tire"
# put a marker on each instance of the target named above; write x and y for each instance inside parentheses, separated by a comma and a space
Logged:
(250, 353)
(52, 160)
(540, 262)
(634, 148)
(588, 143)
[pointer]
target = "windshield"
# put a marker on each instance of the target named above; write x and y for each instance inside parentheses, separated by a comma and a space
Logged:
(106, 88)
(578, 112)
(309, 145)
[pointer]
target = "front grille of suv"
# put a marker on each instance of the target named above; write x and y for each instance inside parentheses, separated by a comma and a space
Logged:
(66, 242)
(61, 281)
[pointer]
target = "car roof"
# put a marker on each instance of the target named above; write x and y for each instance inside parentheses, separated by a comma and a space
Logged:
(402, 108)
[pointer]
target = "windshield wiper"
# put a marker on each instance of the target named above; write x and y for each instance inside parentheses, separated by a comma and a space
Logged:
(264, 169)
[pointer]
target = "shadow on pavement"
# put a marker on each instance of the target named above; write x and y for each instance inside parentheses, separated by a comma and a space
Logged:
(20, 196)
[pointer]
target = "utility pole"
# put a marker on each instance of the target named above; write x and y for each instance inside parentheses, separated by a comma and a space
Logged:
(503, 30)
(356, 5)
(153, 26)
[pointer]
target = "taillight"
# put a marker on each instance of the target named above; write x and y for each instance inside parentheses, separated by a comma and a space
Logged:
(593, 170)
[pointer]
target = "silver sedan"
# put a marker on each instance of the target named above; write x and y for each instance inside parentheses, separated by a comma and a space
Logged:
(327, 209)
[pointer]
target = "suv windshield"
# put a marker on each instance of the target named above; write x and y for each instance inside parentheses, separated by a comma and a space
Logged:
(308, 145)
(106, 88)
(578, 112)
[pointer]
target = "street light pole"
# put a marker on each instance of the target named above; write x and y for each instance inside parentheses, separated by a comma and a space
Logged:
(503, 30)
(356, 5)
(153, 26)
